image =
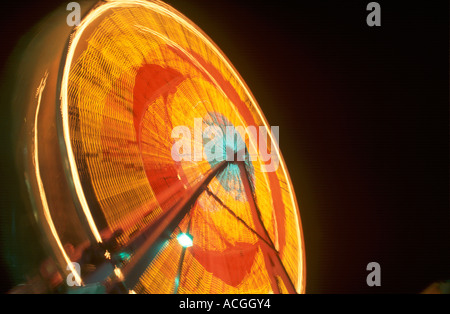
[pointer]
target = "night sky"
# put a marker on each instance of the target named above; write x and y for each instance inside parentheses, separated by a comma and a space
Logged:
(363, 117)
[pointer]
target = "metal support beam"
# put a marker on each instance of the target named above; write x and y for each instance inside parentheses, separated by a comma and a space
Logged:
(181, 261)
(218, 200)
(271, 256)
(155, 237)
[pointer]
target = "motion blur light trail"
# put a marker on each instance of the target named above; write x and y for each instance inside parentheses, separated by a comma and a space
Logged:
(132, 72)
(40, 184)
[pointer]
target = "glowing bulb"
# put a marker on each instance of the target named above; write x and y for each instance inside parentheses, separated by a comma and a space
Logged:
(118, 273)
(185, 240)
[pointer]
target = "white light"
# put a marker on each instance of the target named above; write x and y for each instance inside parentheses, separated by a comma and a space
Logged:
(118, 273)
(185, 240)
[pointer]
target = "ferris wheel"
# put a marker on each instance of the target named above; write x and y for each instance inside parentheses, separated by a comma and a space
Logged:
(138, 95)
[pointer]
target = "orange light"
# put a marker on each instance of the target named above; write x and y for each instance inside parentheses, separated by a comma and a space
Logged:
(134, 71)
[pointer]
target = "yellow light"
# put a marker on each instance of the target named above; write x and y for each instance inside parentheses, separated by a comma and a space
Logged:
(42, 192)
(118, 273)
(97, 110)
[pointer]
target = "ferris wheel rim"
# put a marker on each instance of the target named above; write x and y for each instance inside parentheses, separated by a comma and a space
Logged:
(68, 59)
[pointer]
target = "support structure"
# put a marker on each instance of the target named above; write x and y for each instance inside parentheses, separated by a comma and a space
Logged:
(272, 259)
(180, 262)
(154, 238)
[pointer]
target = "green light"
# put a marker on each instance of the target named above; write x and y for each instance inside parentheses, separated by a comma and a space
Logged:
(124, 256)
(185, 240)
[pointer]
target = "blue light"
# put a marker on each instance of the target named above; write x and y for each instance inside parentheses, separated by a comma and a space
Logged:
(185, 240)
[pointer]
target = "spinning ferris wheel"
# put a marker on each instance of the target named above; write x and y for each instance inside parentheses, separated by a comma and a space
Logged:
(101, 171)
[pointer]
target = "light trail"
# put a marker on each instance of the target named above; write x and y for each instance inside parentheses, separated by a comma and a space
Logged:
(42, 193)
(163, 9)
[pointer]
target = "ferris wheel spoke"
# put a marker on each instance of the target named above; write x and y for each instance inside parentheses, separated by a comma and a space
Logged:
(156, 235)
(181, 261)
(218, 200)
(272, 258)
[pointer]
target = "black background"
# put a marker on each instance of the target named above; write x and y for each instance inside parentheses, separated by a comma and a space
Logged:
(363, 116)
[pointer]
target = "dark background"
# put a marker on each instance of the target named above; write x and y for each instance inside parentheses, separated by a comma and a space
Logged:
(363, 116)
